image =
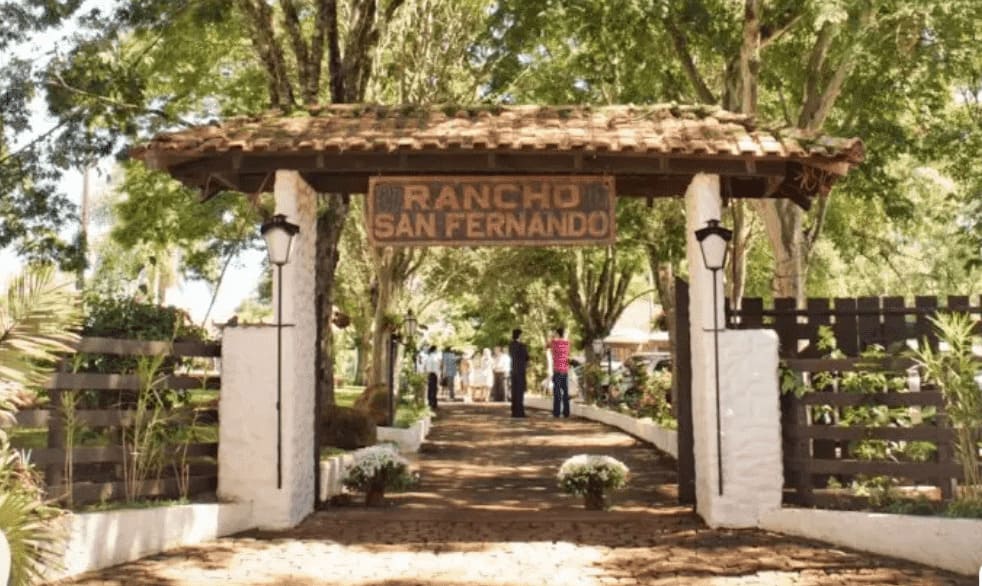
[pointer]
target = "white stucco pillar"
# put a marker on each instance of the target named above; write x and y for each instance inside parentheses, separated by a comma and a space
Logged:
(247, 405)
(4, 559)
(750, 422)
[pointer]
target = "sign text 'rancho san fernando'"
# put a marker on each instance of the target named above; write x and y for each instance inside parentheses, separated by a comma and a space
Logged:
(491, 210)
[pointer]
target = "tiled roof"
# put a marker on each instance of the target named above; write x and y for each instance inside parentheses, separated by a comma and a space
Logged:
(654, 130)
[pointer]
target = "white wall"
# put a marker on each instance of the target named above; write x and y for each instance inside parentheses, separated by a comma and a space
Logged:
(247, 403)
(4, 559)
(749, 407)
(666, 440)
(951, 544)
(103, 539)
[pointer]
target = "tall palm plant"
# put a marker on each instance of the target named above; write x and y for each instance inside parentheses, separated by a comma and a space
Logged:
(953, 370)
(38, 320)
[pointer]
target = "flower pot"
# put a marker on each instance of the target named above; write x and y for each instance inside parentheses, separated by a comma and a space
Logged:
(594, 500)
(375, 491)
(375, 497)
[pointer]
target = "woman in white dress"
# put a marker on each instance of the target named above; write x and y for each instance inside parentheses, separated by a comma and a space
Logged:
(482, 375)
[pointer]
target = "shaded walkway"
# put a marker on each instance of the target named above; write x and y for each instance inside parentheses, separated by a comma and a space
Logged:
(479, 458)
(487, 511)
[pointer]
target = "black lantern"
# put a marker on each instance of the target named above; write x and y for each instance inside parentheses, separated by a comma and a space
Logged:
(713, 243)
(411, 324)
(279, 233)
(409, 330)
(601, 350)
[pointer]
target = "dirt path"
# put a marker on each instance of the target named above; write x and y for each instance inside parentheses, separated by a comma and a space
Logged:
(487, 511)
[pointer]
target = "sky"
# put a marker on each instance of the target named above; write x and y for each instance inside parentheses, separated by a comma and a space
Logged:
(194, 296)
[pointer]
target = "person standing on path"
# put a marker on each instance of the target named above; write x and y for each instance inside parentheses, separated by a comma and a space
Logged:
(449, 370)
(465, 377)
(519, 353)
(559, 347)
(499, 372)
(434, 362)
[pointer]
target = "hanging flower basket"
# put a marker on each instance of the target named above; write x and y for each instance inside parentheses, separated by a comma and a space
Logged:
(375, 470)
(592, 477)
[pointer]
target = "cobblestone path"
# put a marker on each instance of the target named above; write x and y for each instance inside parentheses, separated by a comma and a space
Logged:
(487, 511)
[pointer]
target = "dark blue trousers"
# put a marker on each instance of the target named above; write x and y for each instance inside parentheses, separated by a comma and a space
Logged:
(560, 393)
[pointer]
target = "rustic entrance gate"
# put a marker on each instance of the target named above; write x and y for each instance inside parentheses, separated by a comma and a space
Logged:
(658, 151)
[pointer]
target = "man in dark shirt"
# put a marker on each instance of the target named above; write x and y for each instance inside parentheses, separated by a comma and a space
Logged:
(519, 353)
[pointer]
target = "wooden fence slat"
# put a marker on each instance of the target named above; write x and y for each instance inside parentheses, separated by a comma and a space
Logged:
(923, 329)
(921, 399)
(92, 381)
(845, 328)
(86, 493)
(103, 417)
(751, 312)
(123, 347)
(912, 470)
(108, 454)
(895, 331)
(817, 315)
(945, 453)
(801, 450)
(920, 433)
(848, 364)
(786, 325)
(868, 324)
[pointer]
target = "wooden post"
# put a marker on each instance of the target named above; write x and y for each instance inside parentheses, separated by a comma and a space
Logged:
(683, 390)
(946, 453)
(801, 453)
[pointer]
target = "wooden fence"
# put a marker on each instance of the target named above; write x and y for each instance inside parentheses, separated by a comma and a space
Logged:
(79, 472)
(822, 437)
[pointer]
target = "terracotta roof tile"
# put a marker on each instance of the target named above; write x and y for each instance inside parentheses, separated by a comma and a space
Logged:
(655, 129)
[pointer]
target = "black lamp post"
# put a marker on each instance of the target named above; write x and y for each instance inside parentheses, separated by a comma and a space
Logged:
(601, 350)
(713, 241)
(279, 233)
(409, 325)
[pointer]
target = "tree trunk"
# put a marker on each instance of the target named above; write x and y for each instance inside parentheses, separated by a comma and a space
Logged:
(783, 220)
(330, 223)
(378, 373)
(742, 222)
(361, 360)
(663, 273)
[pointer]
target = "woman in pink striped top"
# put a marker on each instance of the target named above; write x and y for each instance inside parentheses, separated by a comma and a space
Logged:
(559, 347)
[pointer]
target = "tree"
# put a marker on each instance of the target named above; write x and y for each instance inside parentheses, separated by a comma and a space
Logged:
(158, 64)
(32, 210)
(852, 67)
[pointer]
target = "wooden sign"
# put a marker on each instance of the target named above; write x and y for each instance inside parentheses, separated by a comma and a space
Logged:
(491, 210)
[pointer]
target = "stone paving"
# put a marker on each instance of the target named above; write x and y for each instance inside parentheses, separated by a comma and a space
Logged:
(487, 511)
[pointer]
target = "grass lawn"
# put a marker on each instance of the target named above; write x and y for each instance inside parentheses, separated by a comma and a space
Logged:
(345, 396)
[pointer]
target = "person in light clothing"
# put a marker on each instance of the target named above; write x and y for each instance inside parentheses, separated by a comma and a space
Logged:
(434, 363)
(482, 375)
(465, 376)
(559, 349)
(449, 370)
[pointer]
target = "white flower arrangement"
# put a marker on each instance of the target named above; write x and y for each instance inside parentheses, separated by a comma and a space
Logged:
(586, 473)
(378, 466)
